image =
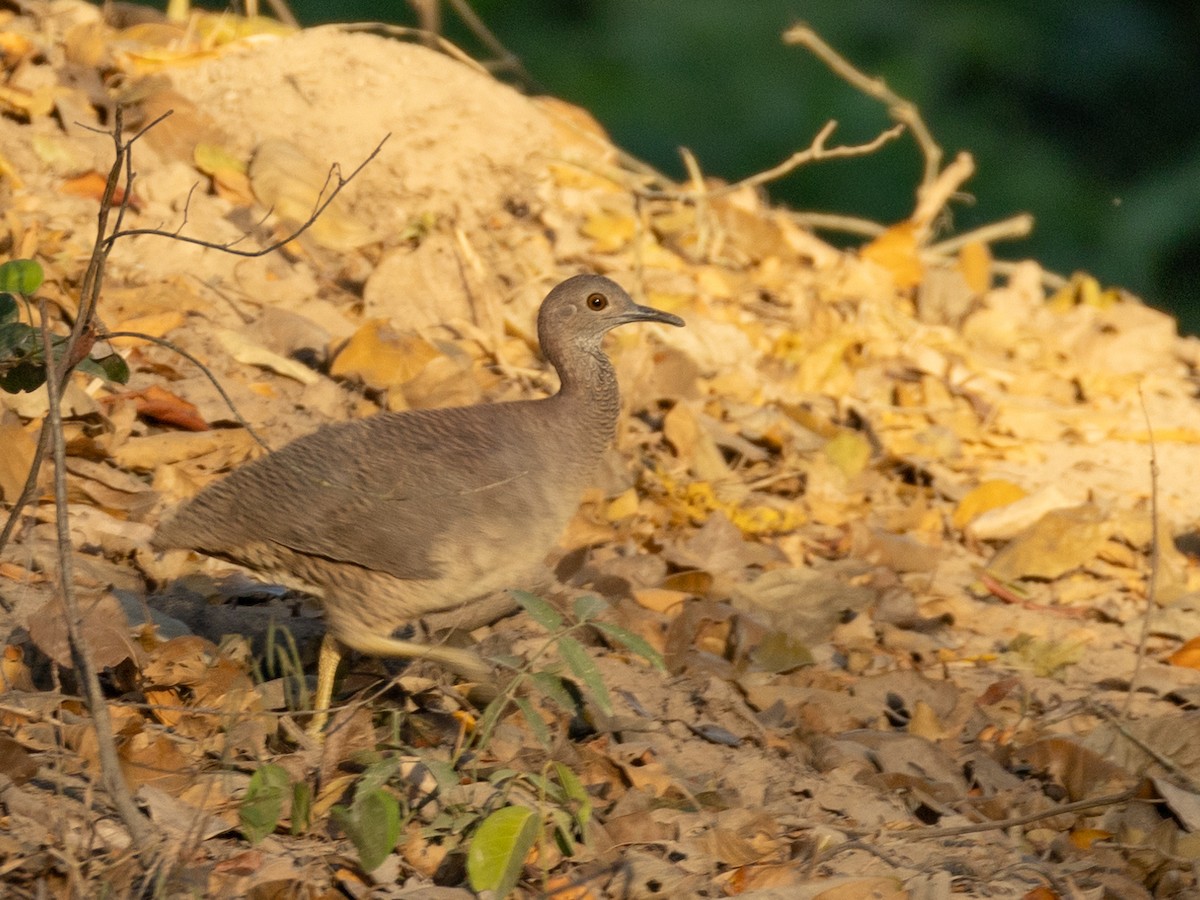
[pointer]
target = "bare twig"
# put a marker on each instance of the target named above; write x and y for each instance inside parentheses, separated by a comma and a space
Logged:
(283, 12)
(1012, 228)
(81, 656)
(1162, 759)
(334, 177)
(815, 152)
(1015, 821)
(902, 110)
(840, 223)
(175, 348)
(1152, 585)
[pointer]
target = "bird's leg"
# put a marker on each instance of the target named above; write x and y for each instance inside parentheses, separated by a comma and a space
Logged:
(327, 663)
(464, 662)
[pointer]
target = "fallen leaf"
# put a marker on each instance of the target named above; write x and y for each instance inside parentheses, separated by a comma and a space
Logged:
(102, 624)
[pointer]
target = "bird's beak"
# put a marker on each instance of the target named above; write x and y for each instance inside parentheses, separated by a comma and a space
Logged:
(650, 314)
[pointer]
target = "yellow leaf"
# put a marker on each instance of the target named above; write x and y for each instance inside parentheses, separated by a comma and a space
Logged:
(382, 357)
(660, 600)
(622, 506)
(1083, 290)
(896, 251)
(987, 496)
(609, 231)
(975, 263)
(1061, 540)
(849, 451)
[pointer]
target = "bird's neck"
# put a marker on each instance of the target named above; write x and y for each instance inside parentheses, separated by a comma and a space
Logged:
(589, 395)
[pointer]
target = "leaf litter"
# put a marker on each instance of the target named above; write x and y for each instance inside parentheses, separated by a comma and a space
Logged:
(868, 570)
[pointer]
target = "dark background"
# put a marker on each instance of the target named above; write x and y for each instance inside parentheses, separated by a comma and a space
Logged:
(1085, 114)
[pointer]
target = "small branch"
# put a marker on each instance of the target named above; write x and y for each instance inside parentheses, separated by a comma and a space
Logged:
(140, 831)
(175, 348)
(836, 222)
(320, 207)
(1010, 229)
(1155, 557)
(932, 196)
(815, 152)
(1163, 760)
(901, 110)
(1015, 821)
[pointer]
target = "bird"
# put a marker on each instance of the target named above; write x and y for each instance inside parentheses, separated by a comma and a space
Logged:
(402, 514)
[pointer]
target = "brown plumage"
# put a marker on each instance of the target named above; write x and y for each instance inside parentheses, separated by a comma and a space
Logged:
(402, 514)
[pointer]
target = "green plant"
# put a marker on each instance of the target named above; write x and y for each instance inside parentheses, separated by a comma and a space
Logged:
(550, 682)
(22, 355)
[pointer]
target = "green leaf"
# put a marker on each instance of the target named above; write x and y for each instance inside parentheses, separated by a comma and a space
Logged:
(580, 799)
(373, 825)
(536, 723)
(377, 774)
(499, 848)
(18, 340)
(111, 368)
(302, 797)
(539, 610)
(487, 722)
(588, 606)
(585, 670)
(24, 376)
(262, 806)
(9, 310)
(20, 276)
(635, 643)
(552, 686)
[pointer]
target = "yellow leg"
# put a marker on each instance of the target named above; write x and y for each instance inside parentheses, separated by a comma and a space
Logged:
(464, 662)
(327, 663)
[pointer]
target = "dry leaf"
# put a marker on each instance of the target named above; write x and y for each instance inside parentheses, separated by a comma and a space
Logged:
(291, 185)
(975, 263)
(92, 185)
(1057, 543)
(163, 406)
(102, 624)
(985, 497)
(896, 250)
(1188, 655)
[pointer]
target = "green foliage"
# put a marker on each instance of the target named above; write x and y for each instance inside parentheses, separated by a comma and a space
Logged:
(302, 797)
(499, 847)
(550, 683)
(20, 276)
(373, 820)
(262, 807)
(22, 355)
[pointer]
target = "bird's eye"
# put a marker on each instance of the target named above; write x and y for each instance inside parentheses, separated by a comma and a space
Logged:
(596, 302)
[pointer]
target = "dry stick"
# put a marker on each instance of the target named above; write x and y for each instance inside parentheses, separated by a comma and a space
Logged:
(175, 348)
(1152, 586)
(1163, 760)
(143, 836)
(1012, 228)
(922, 834)
(339, 182)
(814, 152)
(283, 13)
(900, 109)
(507, 59)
